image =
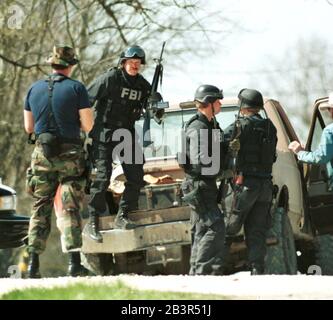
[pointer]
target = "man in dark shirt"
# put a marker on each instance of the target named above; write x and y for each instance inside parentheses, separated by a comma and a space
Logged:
(253, 186)
(55, 110)
(205, 153)
(120, 95)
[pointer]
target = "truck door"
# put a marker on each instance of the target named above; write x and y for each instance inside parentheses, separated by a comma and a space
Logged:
(320, 195)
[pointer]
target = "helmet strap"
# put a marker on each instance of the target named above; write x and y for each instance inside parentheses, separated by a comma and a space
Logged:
(213, 113)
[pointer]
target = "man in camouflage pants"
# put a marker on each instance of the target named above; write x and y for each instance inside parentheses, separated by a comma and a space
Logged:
(55, 109)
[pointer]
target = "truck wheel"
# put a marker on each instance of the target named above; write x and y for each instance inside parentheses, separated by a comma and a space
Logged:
(98, 263)
(180, 267)
(324, 253)
(281, 258)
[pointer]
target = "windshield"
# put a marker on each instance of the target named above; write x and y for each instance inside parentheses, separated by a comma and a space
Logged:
(167, 136)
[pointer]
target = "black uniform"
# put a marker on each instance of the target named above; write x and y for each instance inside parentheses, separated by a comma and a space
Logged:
(120, 99)
(252, 199)
(200, 190)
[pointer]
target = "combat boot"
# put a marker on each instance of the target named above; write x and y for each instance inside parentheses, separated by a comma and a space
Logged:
(33, 266)
(123, 222)
(75, 269)
(92, 228)
(256, 269)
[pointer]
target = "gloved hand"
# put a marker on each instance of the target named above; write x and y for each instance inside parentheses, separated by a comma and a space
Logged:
(158, 115)
(234, 145)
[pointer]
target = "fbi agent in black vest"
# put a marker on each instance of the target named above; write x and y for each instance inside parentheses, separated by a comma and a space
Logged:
(120, 95)
(203, 135)
(253, 188)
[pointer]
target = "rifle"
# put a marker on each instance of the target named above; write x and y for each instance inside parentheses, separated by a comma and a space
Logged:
(235, 135)
(232, 164)
(88, 166)
(154, 104)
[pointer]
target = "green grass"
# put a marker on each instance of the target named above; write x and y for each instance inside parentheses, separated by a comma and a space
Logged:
(118, 291)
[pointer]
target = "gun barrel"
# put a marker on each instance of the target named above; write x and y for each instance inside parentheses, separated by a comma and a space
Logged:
(163, 45)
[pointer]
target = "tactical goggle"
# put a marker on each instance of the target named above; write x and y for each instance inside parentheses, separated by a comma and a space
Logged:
(132, 52)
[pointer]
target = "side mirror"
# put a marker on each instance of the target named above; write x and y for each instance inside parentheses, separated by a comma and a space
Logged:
(161, 105)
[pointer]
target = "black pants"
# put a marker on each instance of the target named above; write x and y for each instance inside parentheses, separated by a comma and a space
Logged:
(252, 209)
(208, 234)
(102, 154)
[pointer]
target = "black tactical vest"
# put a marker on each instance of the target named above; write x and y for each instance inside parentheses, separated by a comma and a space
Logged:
(258, 146)
(124, 103)
(213, 137)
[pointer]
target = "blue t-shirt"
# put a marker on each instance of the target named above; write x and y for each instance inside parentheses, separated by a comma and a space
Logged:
(69, 96)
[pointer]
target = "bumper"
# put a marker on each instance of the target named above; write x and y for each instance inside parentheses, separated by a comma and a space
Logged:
(13, 230)
(140, 238)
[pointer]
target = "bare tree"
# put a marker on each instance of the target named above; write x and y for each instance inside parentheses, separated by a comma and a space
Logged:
(99, 30)
(304, 74)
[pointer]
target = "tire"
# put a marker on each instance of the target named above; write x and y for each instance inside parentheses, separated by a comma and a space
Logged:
(135, 263)
(324, 253)
(179, 267)
(98, 263)
(281, 258)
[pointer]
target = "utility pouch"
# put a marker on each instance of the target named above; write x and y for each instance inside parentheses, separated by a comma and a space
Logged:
(192, 196)
(28, 181)
(50, 144)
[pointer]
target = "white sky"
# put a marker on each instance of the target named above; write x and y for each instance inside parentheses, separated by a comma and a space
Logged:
(272, 27)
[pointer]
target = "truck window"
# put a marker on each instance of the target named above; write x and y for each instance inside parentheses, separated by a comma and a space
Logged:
(323, 119)
(167, 136)
(318, 130)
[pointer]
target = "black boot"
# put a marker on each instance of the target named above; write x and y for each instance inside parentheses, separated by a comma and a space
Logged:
(256, 269)
(33, 266)
(75, 269)
(123, 222)
(92, 229)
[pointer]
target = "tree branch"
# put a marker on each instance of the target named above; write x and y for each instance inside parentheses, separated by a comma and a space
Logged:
(68, 28)
(20, 65)
(114, 18)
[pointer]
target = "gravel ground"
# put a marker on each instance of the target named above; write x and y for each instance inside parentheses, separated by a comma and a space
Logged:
(237, 286)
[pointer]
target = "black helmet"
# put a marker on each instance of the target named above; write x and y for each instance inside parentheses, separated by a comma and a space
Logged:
(208, 94)
(133, 52)
(250, 98)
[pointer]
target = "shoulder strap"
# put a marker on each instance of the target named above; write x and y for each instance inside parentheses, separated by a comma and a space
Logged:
(51, 118)
(195, 117)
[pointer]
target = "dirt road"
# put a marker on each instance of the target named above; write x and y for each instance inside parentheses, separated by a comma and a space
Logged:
(237, 286)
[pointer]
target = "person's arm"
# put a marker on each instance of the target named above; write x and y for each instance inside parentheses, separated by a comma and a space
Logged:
(29, 122)
(99, 88)
(86, 119)
(323, 154)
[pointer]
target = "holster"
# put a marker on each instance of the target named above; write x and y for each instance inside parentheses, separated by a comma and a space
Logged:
(192, 195)
(50, 144)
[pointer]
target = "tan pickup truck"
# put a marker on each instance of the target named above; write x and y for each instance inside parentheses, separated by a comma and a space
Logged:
(302, 210)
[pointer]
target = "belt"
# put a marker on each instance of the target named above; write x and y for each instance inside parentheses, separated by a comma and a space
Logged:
(63, 140)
